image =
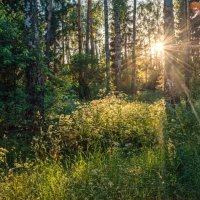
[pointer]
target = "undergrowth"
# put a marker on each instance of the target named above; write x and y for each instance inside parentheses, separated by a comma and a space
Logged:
(93, 176)
(109, 149)
(108, 123)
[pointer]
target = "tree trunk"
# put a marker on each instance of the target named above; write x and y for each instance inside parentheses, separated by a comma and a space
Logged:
(63, 42)
(146, 67)
(169, 38)
(107, 48)
(88, 26)
(186, 40)
(133, 74)
(125, 52)
(34, 75)
(92, 36)
(195, 47)
(118, 50)
(79, 28)
(48, 38)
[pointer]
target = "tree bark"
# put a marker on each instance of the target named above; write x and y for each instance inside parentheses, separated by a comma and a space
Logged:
(88, 26)
(92, 36)
(107, 48)
(48, 38)
(133, 74)
(118, 59)
(186, 41)
(79, 28)
(63, 41)
(34, 75)
(169, 39)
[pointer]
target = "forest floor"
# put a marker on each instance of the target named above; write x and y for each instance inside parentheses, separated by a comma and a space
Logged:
(113, 148)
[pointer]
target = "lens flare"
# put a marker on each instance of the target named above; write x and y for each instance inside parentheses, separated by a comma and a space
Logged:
(157, 48)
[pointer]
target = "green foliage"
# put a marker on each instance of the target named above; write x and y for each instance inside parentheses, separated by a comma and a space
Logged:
(92, 176)
(87, 75)
(153, 80)
(149, 96)
(3, 162)
(12, 63)
(120, 7)
(111, 176)
(60, 96)
(165, 167)
(43, 181)
(114, 120)
(111, 148)
(110, 123)
(183, 164)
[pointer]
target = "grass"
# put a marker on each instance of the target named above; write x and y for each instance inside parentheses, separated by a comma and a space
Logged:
(92, 176)
(111, 122)
(110, 149)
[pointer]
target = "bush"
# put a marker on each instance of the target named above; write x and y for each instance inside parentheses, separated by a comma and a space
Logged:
(110, 122)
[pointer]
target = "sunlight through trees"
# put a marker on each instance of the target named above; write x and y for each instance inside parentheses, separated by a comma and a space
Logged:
(99, 99)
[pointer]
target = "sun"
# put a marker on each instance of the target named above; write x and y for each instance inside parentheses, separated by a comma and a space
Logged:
(157, 48)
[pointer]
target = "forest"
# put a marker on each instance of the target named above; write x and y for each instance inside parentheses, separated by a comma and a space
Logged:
(100, 99)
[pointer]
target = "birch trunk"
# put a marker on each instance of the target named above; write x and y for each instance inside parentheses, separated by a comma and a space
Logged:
(107, 48)
(118, 59)
(88, 26)
(133, 75)
(79, 28)
(169, 71)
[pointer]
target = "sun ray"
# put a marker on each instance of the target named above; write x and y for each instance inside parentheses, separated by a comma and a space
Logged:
(157, 48)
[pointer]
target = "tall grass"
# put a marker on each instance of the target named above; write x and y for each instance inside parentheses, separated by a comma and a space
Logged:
(92, 176)
(111, 149)
(108, 122)
(115, 151)
(183, 149)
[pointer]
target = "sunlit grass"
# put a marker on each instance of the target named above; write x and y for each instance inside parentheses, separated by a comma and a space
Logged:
(162, 170)
(91, 176)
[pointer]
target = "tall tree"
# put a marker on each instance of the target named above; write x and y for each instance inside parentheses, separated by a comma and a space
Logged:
(34, 76)
(195, 40)
(169, 39)
(107, 48)
(49, 25)
(117, 10)
(88, 25)
(92, 36)
(185, 37)
(118, 59)
(133, 78)
(79, 28)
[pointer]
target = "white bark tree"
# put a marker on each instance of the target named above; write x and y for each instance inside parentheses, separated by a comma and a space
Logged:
(107, 48)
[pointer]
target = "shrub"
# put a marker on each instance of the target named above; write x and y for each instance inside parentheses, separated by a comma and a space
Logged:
(110, 122)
